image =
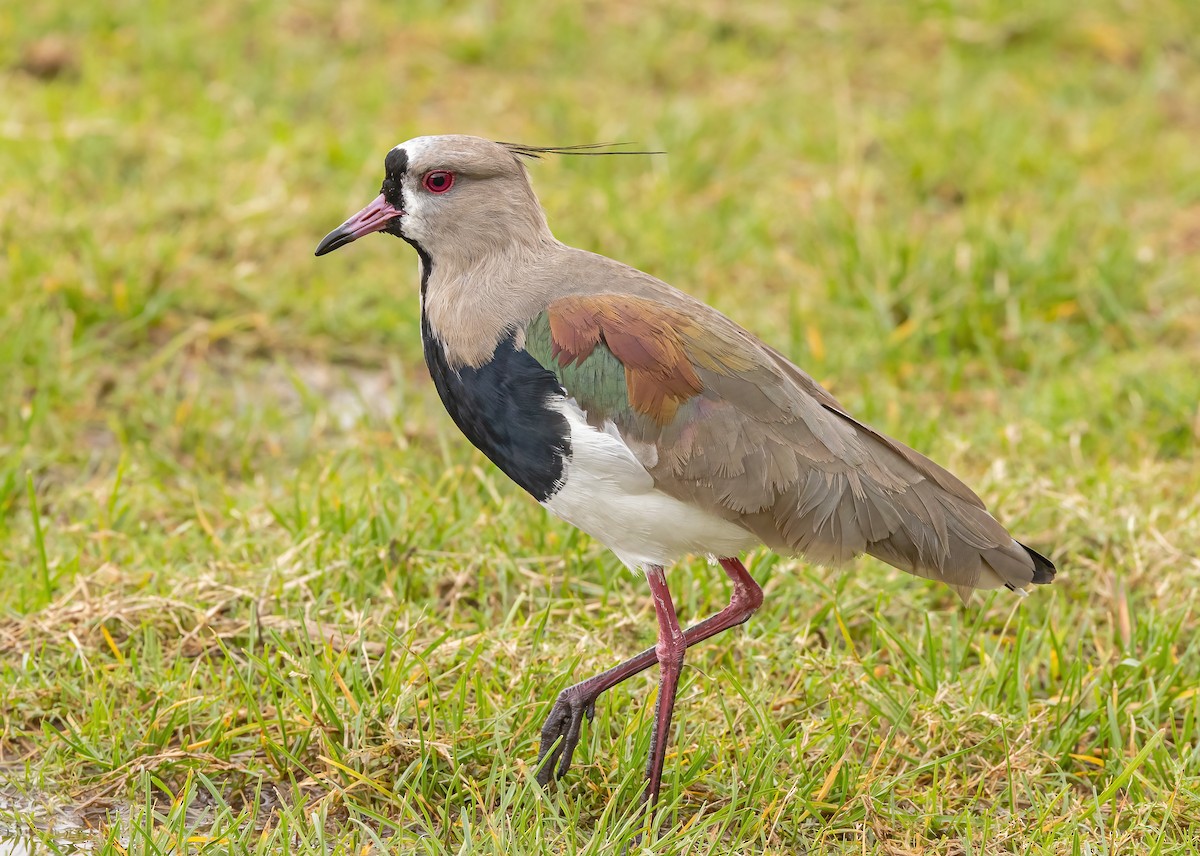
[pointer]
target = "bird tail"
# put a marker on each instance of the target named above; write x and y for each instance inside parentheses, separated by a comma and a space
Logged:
(1043, 568)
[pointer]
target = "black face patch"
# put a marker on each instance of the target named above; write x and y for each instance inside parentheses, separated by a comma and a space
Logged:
(395, 166)
(503, 409)
(396, 163)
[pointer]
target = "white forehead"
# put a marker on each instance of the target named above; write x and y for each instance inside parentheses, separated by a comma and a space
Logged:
(418, 148)
(458, 152)
(425, 152)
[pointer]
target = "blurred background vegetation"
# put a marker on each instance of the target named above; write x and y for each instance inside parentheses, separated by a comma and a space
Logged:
(255, 585)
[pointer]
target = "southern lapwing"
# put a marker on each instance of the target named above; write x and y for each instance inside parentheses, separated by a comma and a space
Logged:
(650, 420)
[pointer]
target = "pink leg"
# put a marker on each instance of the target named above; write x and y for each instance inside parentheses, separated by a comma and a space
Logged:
(562, 729)
(670, 650)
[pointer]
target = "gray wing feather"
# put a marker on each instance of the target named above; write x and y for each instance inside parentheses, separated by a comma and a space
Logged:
(774, 451)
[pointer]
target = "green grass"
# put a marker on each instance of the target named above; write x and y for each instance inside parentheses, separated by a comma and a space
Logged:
(258, 595)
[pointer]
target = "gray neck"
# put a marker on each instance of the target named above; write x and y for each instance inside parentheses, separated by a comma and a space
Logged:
(471, 302)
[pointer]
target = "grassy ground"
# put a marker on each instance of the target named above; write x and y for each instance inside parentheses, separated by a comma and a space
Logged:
(258, 595)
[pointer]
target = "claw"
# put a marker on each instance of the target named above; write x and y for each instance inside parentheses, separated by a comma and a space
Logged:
(561, 733)
(546, 765)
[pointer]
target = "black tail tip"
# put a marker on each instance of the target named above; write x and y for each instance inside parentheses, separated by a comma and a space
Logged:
(1043, 568)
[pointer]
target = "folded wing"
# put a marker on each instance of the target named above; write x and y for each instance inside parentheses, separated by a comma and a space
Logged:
(722, 420)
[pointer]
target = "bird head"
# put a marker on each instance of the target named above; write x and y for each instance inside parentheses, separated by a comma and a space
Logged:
(452, 198)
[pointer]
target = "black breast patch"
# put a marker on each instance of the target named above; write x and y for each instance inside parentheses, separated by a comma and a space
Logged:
(503, 407)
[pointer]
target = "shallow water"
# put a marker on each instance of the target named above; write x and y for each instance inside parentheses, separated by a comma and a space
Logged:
(29, 823)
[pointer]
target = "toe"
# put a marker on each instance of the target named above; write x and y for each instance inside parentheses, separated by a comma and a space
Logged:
(547, 760)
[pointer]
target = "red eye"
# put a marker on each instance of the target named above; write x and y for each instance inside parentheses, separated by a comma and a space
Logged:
(438, 181)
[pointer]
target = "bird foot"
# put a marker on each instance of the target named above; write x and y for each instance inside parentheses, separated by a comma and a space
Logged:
(561, 732)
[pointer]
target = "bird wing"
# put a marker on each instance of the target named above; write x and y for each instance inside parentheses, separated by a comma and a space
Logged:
(723, 421)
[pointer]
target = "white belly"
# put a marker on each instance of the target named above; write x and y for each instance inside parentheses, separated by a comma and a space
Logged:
(608, 494)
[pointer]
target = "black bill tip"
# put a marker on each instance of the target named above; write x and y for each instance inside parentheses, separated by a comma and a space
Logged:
(339, 237)
(374, 218)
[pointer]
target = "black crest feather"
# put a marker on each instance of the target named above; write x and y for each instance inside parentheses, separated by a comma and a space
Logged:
(588, 149)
